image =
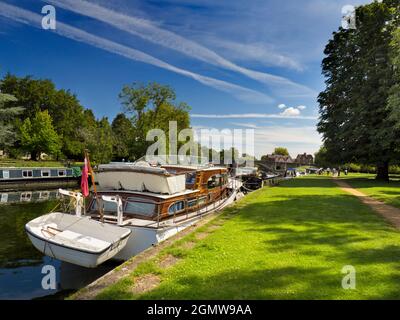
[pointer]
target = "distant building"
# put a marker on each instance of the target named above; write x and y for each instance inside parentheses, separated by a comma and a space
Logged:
(305, 159)
(278, 162)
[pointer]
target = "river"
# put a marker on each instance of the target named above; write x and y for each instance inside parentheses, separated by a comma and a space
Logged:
(21, 265)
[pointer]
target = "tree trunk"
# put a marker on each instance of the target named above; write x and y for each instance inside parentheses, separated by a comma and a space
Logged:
(382, 171)
(34, 155)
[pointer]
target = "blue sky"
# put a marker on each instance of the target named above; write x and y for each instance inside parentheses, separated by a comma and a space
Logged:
(238, 64)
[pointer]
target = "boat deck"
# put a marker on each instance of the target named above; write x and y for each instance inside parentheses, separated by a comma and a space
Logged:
(173, 220)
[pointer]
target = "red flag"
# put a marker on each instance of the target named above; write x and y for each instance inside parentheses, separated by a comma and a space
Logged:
(84, 181)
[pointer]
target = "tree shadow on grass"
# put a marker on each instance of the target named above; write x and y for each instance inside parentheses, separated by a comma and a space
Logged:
(320, 234)
(312, 283)
(307, 183)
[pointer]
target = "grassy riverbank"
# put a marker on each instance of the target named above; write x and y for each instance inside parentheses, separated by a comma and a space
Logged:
(388, 192)
(288, 242)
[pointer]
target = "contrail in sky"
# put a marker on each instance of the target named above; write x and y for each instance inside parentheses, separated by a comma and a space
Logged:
(147, 30)
(65, 30)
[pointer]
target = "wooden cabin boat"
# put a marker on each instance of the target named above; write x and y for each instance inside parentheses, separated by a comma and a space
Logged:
(152, 202)
(158, 202)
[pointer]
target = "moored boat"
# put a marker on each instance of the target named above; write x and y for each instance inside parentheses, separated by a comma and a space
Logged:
(140, 204)
(76, 240)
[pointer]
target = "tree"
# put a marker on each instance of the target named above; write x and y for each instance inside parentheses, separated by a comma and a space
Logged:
(355, 119)
(97, 137)
(8, 133)
(281, 152)
(63, 107)
(122, 129)
(39, 136)
(322, 159)
(152, 106)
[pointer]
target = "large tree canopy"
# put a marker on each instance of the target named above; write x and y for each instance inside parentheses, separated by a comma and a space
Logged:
(39, 136)
(70, 129)
(281, 151)
(355, 119)
(8, 133)
(152, 106)
(63, 107)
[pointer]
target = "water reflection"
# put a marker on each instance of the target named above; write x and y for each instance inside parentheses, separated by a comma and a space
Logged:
(20, 263)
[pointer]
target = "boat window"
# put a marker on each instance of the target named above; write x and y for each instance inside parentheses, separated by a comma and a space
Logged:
(202, 200)
(176, 207)
(44, 195)
(45, 173)
(6, 174)
(4, 197)
(108, 206)
(192, 203)
(27, 173)
(140, 208)
(191, 178)
(213, 182)
(62, 173)
(26, 196)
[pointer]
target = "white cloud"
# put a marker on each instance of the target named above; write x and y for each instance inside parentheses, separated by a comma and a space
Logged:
(27, 17)
(291, 112)
(302, 108)
(150, 32)
(297, 139)
(282, 106)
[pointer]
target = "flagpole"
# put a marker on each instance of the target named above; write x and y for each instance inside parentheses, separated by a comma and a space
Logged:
(94, 185)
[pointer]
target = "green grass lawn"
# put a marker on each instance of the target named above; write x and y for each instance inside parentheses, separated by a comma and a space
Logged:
(388, 192)
(287, 242)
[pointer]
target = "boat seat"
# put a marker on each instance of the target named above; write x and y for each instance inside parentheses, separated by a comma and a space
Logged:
(49, 231)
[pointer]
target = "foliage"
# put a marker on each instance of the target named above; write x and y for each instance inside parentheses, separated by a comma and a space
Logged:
(280, 151)
(123, 132)
(322, 159)
(152, 106)
(98, 139)
(64, 108)
(355, 121)
(149, 106)
(8, 134)
(39, 136)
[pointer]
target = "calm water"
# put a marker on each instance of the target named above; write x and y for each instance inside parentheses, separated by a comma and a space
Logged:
(20, 263)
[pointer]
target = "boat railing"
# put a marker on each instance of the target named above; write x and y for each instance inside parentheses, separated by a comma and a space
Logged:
(120, 210)
(199, 211)
(78, 198)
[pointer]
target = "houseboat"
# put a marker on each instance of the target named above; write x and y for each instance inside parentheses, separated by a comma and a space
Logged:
(22, 178)
(152, 202)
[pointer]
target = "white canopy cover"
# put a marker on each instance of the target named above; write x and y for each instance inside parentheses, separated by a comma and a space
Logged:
(139, 178)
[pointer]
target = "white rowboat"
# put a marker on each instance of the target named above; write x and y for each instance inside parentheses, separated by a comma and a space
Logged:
(77, 240)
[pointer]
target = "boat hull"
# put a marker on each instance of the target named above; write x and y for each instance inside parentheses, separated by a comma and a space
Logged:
(77, 240)
(143, 238)
(80, 258)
